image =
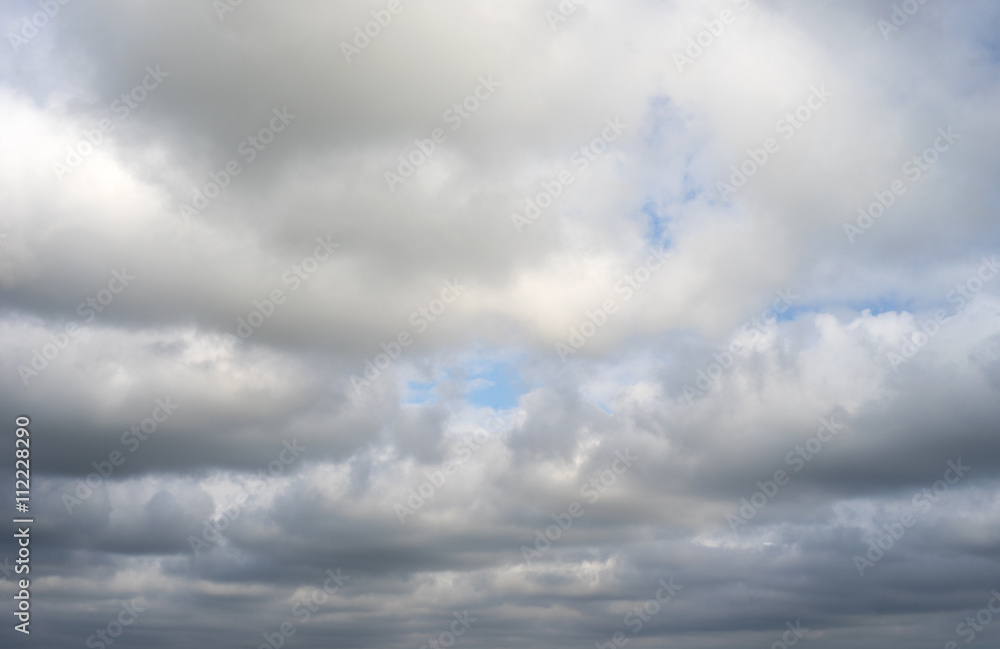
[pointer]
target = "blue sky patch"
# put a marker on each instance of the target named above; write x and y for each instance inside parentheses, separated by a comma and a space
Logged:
(495, 385)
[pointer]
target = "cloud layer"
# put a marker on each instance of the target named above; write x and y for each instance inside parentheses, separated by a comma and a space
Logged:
(504, 323)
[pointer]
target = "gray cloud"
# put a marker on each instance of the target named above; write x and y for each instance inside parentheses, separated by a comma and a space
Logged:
(302, 304)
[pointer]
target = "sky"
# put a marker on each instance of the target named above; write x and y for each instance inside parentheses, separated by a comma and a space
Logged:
(508, 323)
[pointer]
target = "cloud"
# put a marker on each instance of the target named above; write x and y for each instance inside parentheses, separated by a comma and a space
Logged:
(230, 244)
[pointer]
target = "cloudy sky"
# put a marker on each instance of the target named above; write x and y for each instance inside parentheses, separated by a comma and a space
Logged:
(506, 323)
